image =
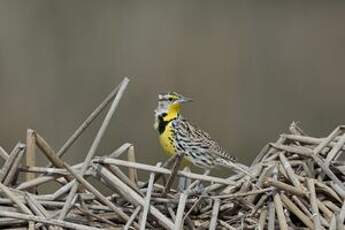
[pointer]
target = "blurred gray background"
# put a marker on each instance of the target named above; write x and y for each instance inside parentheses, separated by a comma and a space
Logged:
(251, 67)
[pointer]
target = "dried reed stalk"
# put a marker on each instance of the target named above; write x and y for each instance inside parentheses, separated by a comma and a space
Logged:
(296, 182)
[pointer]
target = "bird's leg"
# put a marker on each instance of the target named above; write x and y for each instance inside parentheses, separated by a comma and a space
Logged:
(166, 164)
(169, 161)
(184, 182)
(173, 174)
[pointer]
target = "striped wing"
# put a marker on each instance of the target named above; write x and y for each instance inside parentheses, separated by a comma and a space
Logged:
(198, 146)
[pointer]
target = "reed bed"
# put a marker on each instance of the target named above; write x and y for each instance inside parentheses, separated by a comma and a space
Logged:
(296, 182)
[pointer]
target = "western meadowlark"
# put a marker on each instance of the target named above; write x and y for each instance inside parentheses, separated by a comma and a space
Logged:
(177, 135)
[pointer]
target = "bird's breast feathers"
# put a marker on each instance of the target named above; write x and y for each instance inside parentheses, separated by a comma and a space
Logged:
(167, 140)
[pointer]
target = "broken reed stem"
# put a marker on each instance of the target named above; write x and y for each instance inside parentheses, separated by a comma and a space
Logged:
(132, 218)
(295, 210)
(309, 140)
(313, 203)
(341, 216)
(290, 171)
(35, 206)
(214, 216)
(162, 170)
(280, 212)
(302, 206)
(36, 209)
(295, 129)
(179, 220)
(285, 187)
(94, 145)
(50, 153)
(192, 207)
(293, 149)
(52, 156)
(120, 150)
(339, 145)
(35, 182)
(328, 172)
(262, 219)
(11, 159)
(58, 172)
(58, 204)
(32, 218)
(325, 142)
(132, 172)
(87, 212)
(132, 196)
(327, 213)
(31, 225)
(99, 195)
(226, 225)
(271, 216)
(10, 177)
(147, 200)
(30, 157)
(87, 122)
(117, 172)
(241, 194)
(3, 154)
(14, 199)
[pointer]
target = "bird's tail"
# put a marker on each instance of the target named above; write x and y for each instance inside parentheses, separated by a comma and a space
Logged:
(235, 166)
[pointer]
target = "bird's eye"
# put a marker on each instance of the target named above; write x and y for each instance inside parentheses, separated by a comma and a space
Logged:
(170, 99)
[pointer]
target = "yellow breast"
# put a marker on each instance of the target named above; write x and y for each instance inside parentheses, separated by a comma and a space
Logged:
(166, 140)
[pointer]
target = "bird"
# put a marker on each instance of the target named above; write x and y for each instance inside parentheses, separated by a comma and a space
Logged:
(177, 135)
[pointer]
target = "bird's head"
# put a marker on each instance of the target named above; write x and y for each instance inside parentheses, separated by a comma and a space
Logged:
(170, 103)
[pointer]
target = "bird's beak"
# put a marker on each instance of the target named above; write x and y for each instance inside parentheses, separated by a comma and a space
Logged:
(184, 100)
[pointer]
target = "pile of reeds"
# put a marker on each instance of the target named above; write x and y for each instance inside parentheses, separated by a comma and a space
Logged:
(296, 182)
